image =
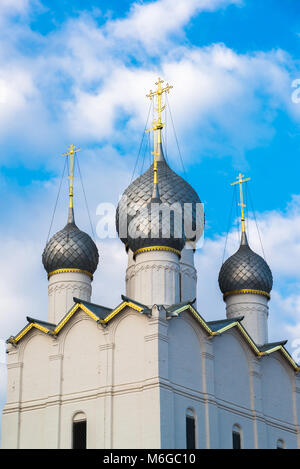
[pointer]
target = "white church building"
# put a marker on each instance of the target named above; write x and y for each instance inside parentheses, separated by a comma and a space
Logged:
(151, 372)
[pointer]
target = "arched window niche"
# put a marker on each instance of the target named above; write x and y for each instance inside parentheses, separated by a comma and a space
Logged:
(280, 444)
(79, 431)
(236, 437)
(190, 420)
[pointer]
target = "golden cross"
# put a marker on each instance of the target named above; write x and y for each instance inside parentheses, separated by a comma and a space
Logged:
(241, 204)
(71, 151)
(158, 125)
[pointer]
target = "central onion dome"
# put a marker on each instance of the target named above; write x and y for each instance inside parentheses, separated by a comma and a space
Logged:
(172, 189)
(245, 270)
(156, 225)
(71, 248)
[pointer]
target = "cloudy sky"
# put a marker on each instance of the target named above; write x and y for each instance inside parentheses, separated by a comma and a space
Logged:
(74, 71)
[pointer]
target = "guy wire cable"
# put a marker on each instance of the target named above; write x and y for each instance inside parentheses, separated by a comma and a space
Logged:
(254, 215)
(247, 211)
(229, 223)
(237, 214)
(55, 205)
(137, 159)
(169, 107)
(86, 203)
(146, 152)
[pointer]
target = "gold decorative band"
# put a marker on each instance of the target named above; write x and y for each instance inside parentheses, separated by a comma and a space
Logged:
(158, 248)
(62, 271)
(255, 292)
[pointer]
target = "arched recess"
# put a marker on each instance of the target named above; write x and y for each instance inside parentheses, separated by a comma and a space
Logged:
(232, 365)
(277, 399)
(82, 370)
(129, 352)
(35, 367)
(185, 365)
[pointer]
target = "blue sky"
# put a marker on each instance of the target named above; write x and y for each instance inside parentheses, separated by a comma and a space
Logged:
(78, 71)
(246, 28)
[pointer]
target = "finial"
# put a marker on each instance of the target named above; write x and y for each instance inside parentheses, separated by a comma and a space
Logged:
(72, 150)
(241, 204)
(157, 124)
(155, 193)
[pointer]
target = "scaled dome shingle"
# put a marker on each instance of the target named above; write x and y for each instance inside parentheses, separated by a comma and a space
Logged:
(245, 270)
(70, 248)
(156, 226)
(172, 188)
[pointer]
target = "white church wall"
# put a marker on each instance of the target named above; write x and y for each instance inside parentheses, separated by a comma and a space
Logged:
(181, 405)
(135, 379)
(185, 380)
(184, 354)
(129, 349)
(277, 389)
(35, 360)
(11, 412)
(83, 377)
(93, 408)
(82, 370)
(275, 433)
(232, 374)
(227, 419)
(34, 394)
(33, 429)
(127, 422)
(232, 388)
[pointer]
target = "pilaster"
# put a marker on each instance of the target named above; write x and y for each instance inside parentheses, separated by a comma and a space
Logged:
(53, 406)
(12, 409)
(211, 410)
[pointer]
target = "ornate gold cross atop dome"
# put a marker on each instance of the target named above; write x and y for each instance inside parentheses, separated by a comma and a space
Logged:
(157, 124)
(72, 150)
(241, 204)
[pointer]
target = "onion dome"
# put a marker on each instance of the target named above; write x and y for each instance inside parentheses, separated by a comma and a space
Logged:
(156, 225)
(172, 189)
(245, 272)
(71, 249)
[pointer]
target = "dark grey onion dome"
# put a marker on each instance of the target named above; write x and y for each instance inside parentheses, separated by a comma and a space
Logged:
(245, 270)
(71, 248)
(172, 187)
(154, 228)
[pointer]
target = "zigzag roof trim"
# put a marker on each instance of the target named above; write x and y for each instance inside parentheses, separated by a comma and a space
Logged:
(103, 315)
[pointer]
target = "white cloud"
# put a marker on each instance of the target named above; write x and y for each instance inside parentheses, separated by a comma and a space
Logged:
(14, 6)
(152, 23)
(16, 91)
(86, 82)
